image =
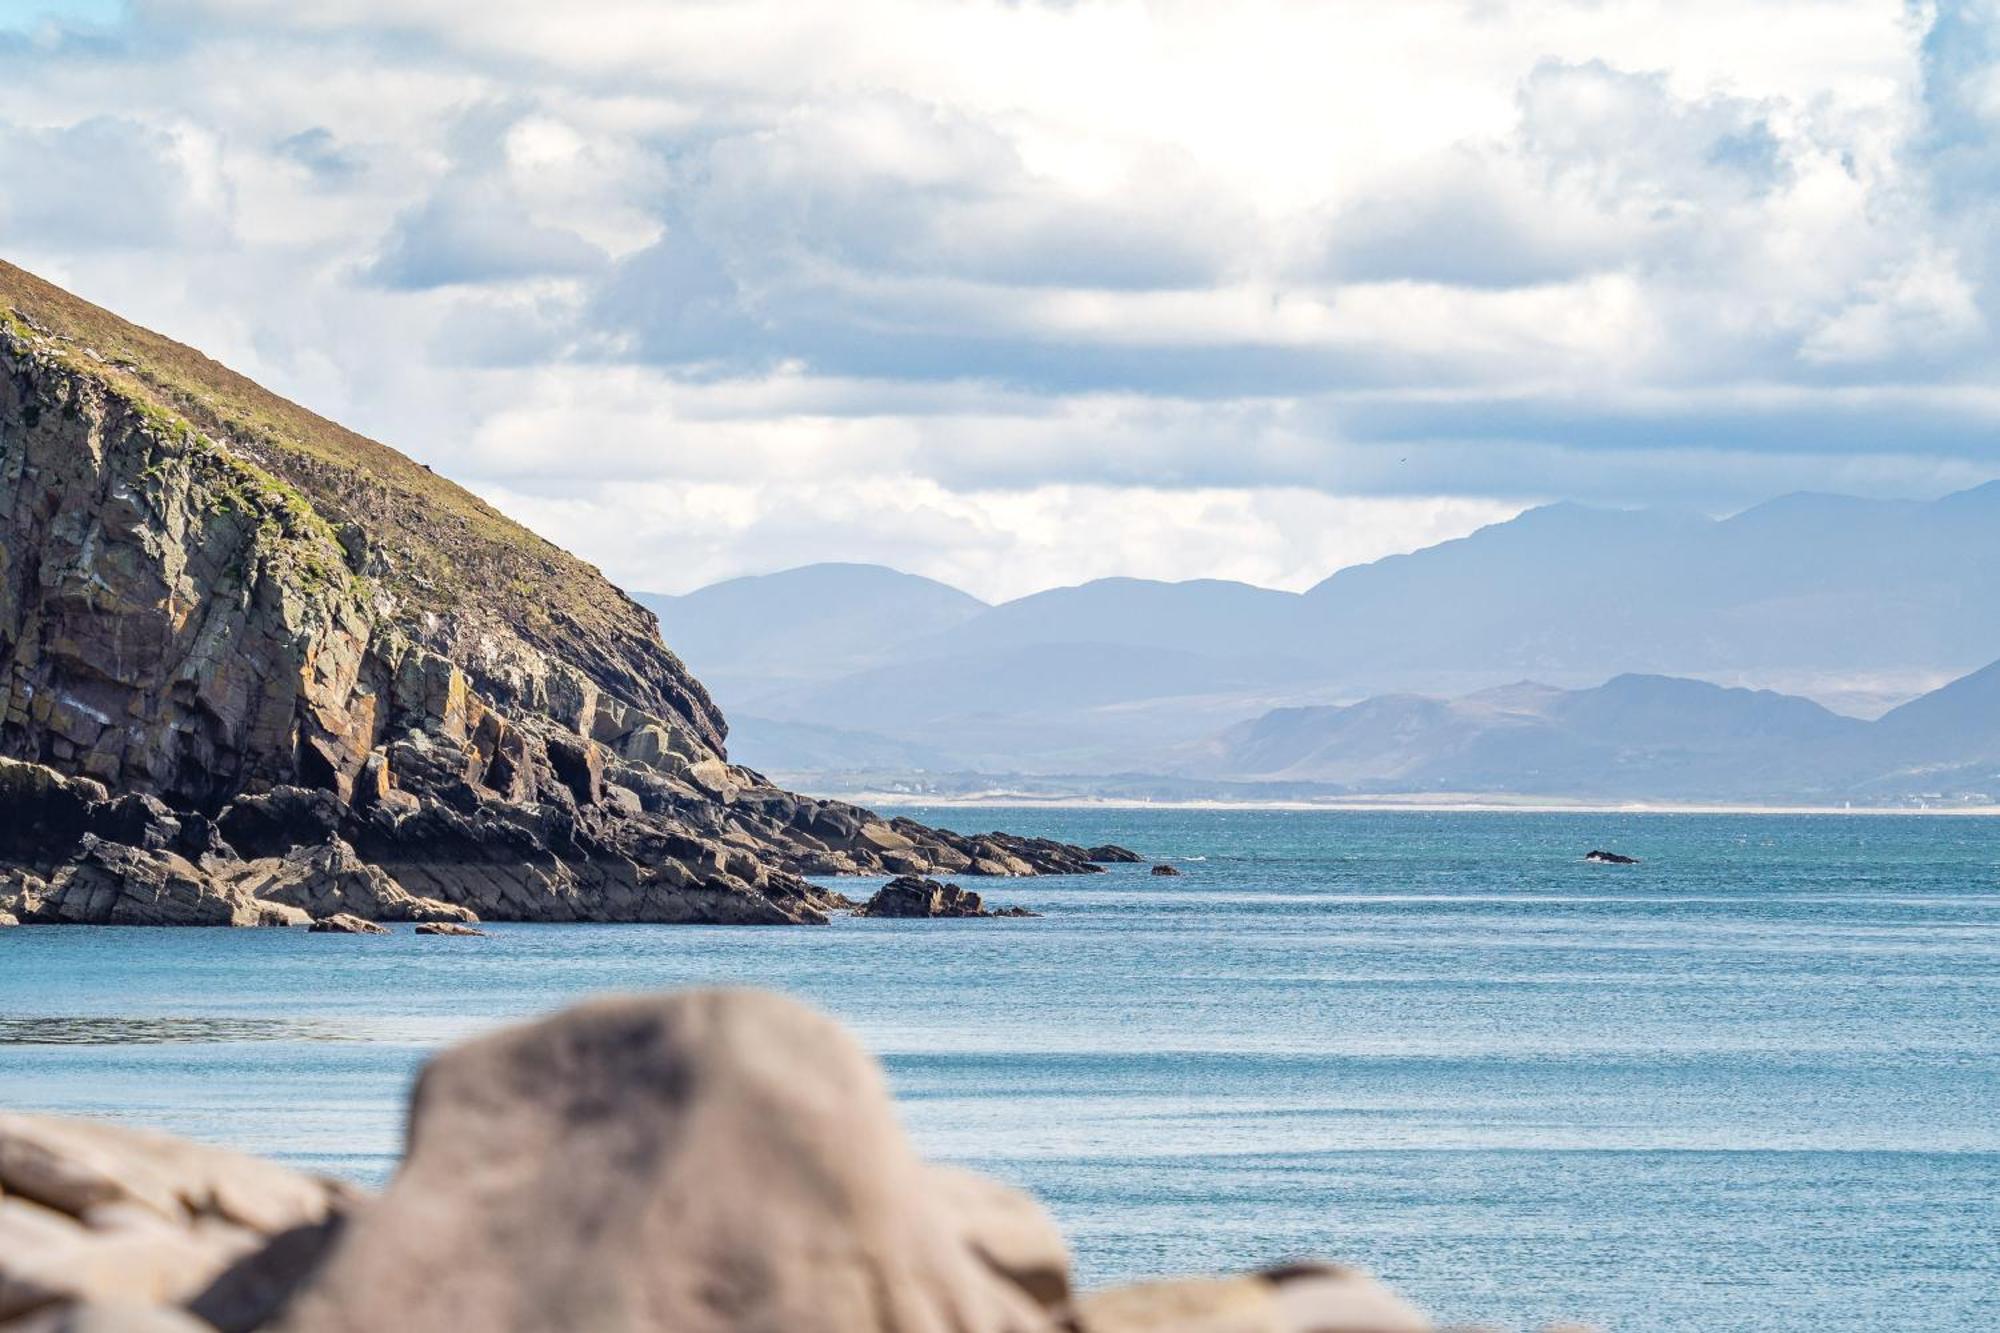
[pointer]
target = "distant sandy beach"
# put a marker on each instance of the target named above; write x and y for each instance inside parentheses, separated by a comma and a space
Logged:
(1442, 804)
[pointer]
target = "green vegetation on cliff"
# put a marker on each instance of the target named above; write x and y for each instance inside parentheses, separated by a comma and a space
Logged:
(437, 548)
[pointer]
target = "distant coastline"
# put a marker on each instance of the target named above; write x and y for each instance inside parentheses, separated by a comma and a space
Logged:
(1452, 804)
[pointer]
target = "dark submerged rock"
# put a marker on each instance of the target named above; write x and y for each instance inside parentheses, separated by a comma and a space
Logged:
(1164, 869)
(1605, 858)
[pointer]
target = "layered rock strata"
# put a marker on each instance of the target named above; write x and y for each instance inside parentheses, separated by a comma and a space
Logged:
(276, 640)
(708, 1162)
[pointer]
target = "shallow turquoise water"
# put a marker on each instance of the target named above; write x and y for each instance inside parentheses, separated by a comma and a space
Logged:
(1753, 1083)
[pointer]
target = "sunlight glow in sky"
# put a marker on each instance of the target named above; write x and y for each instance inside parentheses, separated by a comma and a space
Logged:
(1019, 294)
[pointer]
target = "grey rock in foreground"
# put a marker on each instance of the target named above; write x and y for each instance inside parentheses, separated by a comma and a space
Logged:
(705, 1162)
(737, 1158)
(101, 1216)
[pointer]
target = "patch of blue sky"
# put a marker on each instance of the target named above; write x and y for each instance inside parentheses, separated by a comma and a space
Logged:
(26, 15)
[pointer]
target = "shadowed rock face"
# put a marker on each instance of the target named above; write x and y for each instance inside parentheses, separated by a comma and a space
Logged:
(706, 1162)
(213, 600)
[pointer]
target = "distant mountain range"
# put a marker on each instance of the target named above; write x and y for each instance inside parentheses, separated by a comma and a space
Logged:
(1633, 737)
(1856, 605)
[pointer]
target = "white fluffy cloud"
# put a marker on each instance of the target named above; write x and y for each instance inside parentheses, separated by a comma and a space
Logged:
(1023, 293)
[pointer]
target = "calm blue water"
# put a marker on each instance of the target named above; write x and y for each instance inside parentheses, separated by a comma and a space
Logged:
(1753, 1083)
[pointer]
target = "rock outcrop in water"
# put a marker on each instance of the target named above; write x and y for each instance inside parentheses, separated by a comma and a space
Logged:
(708, 1162)
(275, 639)
(1598, 856)
(913, 896)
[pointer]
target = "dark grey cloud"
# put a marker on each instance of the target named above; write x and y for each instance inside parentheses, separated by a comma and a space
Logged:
(321, 154)
(477, 225)
(471, 234)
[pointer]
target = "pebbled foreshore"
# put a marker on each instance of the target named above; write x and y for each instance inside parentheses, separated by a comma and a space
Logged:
(704, 1162)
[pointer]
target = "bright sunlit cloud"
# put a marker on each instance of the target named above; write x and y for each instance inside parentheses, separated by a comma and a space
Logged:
(1017, 294)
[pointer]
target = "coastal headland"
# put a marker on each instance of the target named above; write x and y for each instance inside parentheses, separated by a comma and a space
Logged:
(256, 669)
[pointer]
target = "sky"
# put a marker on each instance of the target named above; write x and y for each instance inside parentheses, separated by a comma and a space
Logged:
(1018, 294)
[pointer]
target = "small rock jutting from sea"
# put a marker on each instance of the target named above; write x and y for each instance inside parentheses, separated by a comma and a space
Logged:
(913, 896)
(720, 1161)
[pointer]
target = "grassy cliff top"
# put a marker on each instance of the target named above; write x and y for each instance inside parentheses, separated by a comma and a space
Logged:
(447, 551)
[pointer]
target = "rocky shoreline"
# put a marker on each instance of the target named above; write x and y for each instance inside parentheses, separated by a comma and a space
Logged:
(253, 666)
(72, 854)
(704, 1162)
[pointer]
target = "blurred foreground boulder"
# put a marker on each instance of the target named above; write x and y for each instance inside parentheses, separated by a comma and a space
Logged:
(706, 1162)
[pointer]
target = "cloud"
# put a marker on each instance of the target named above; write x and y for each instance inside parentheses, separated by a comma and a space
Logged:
(981, 286)
(504, 208)
(996, 544)
(108, 181)
(320, 154)
(471, 234)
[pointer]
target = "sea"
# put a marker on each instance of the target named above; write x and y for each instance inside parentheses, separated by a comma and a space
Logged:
(1751, 1083)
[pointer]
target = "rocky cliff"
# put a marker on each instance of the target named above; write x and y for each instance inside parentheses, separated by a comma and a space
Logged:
(231, 629)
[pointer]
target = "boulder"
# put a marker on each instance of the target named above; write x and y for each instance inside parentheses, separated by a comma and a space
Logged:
(707, 1162)
(98, 1221)
(41, 811)
(137, 820)
(1165, 870)
(447, 928)
(911, 896)
(330, 880)
(346, 923)
(1111, 854)
(1310, 1298)
(272, 823)
(21, 893)
(1009, 1231)
(107, 1317)
(109, 884)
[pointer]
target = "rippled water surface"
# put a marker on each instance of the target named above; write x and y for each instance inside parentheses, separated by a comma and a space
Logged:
(1752, 1083)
